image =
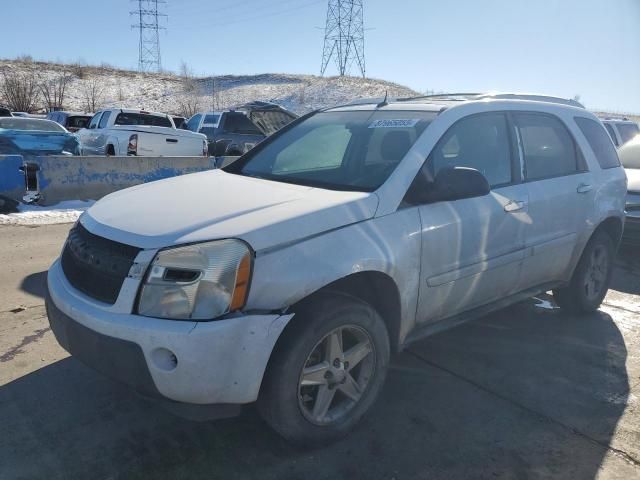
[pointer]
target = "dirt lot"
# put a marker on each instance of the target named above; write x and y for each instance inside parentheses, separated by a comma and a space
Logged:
(528, 392)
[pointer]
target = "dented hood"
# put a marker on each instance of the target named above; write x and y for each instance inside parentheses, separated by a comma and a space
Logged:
(215, 204)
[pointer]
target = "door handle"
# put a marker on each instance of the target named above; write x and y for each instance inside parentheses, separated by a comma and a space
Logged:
(514, 206)
(584, 188)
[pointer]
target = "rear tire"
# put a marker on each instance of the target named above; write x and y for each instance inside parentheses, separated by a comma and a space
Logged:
(311, 394)
(110, 151)
(590, 280)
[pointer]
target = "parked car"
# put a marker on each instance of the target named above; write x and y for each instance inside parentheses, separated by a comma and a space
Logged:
(630, 158)
(123, 132)
(34, 136)
(235, 132)
(72, 121)
(5, 112)
(621, 130)
(289, 277)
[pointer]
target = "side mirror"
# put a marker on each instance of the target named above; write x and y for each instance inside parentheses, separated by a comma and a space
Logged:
(451, 183)
(456, 183)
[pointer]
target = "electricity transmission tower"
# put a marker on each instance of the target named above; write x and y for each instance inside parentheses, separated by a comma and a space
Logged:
(148, 17)
(344, 36)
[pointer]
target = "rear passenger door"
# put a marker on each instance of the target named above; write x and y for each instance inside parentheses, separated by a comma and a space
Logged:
(560, 195)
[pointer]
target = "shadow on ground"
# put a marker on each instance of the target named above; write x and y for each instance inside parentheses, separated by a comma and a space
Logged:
(35, 284)
(526, 392)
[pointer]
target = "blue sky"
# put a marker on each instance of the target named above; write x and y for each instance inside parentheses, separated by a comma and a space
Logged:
(564, 47)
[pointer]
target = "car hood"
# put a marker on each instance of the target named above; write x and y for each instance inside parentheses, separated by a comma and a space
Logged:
(633, 179)
(215, 204)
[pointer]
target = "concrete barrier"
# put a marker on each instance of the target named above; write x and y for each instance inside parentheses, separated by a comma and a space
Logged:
(11, 177)
(53, 179)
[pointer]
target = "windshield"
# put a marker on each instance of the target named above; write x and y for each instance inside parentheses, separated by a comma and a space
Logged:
(355, 150)
(12, 123)
(142, 119)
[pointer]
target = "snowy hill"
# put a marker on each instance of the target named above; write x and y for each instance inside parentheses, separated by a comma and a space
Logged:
(170, 92)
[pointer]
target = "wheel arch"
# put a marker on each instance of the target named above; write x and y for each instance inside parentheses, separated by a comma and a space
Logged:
(375, 288)
(613, 226)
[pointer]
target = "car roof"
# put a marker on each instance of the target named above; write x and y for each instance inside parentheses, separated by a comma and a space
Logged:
(616, 120)
(25, 120)
(441, 102)
(133, 110)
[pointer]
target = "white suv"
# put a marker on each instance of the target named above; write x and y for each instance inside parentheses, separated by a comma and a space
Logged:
(290, 276)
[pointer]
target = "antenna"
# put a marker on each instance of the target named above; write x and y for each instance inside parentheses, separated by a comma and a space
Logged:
(148, 17)
(344, 36)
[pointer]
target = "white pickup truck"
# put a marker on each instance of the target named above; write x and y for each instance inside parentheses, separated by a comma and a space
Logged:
(137, 132)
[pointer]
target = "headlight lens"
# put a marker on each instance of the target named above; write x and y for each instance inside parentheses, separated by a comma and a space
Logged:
(198, 282)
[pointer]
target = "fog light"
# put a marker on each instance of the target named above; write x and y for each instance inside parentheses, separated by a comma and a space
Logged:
(164, 359)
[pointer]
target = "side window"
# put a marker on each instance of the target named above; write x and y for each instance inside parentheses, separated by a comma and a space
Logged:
(94, 121)
(212, 119)
(480, 142)
(194, 122)
(549, 150)
(104, 119)
(599, 142)
(239, 123)
(612, 133)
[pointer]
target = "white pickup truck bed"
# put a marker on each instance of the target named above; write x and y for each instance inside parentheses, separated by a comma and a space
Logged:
(136, 132)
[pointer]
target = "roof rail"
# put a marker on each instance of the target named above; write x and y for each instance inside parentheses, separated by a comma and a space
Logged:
(531, 96)
(441, 96)
(368, 101)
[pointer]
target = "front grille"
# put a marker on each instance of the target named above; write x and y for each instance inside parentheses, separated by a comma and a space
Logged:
(96, 266)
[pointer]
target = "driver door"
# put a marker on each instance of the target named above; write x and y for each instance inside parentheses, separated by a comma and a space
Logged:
(473, 248)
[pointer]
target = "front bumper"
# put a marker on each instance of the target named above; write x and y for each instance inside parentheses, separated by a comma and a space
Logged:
(217, 362)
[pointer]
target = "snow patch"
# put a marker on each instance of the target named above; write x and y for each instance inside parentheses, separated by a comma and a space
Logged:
(33, 215)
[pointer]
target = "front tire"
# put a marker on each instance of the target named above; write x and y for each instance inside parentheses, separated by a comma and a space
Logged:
(590, 280)
(326, 371)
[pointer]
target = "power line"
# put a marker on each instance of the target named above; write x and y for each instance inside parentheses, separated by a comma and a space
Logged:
(344, 36)
(149, 17)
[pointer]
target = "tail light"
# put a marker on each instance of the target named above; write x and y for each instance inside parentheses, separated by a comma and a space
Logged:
(205, 148)
(132, 146)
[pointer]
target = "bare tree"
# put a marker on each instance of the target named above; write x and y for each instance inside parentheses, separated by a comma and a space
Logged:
(20, 90)
(53, 90)
(189, 97)
(92, 92)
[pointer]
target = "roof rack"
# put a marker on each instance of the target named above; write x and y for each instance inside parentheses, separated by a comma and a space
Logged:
(467, 96)
(531, 96)
(442, 96)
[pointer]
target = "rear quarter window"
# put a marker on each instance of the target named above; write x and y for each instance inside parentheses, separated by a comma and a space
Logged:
(599, 141)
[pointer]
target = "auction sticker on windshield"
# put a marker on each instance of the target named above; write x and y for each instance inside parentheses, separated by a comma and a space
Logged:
(395, 123)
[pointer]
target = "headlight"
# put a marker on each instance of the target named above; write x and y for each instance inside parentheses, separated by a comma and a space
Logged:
(199, 282)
